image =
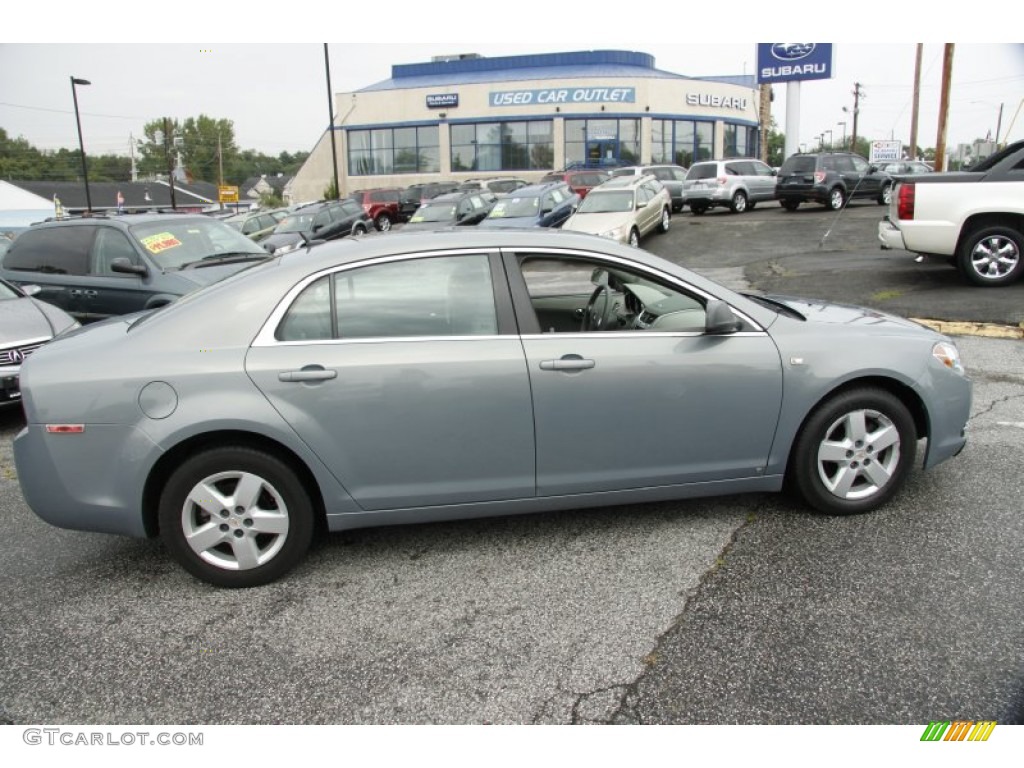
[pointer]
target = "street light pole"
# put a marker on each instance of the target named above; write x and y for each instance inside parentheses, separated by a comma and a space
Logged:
(843, 123)
(81, 145)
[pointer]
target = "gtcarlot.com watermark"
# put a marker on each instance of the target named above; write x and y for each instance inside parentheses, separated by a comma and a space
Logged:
(70, 737)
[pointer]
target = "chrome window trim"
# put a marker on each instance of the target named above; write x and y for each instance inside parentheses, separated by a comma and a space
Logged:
(266, 338)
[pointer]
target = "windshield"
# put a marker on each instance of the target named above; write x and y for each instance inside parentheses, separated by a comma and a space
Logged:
(299, 222)
(174, 242)
(513, 207)
(8, 291)
(607, 202)
(434, 212)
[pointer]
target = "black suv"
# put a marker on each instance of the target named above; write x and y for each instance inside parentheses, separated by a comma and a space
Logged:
(453, 209)
(832, 179)
(320, 221)
(96, 267)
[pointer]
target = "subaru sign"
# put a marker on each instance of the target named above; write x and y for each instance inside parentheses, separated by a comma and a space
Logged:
(442, 100)
(784, 62)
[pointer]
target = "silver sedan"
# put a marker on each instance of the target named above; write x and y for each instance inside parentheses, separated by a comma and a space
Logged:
(443, 375)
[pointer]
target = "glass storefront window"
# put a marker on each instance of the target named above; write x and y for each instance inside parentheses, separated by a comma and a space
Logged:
(602, 142)
(682, 142)
(380, 151)
(504, 146)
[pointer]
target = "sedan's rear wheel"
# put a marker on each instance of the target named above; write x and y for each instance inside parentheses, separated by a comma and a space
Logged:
(854, 452)
(666, 221)
(236, 517)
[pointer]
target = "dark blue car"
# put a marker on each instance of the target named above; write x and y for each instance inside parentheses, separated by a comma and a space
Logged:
(538, 205)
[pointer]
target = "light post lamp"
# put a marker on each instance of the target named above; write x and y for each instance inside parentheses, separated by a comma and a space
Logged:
(81, 145)
(999, 120)
(843, 123)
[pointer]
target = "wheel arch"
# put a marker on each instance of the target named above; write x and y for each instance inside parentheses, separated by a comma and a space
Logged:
(904, 393)
(171, 459)
(980, 221)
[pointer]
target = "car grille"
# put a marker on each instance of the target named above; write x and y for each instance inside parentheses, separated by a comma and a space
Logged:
(15, 355)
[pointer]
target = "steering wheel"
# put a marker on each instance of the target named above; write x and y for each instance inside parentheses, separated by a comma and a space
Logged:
(594, 321)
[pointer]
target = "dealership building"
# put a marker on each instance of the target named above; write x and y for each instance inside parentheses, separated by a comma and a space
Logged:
(467, 116)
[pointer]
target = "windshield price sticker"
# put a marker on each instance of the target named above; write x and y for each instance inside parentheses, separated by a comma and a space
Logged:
(161, 242)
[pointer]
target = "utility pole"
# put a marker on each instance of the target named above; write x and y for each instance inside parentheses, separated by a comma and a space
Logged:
(167, 154)
(330, 124)
(765, 118)
(917, 103)
(857, 93)
(947, 78)
(131, 151)
(220, 165)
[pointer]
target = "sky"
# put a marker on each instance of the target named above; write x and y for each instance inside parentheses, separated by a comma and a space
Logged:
(276, 93)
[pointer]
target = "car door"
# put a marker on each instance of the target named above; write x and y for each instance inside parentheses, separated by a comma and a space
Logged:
(57, 260)
(623, 408)
(114, 293)
(407, 378)
(870, 181)
(762, 181)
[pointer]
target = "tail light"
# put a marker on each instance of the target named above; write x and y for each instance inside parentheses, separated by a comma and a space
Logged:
(819, 177)
(906, 192)
(723, 180)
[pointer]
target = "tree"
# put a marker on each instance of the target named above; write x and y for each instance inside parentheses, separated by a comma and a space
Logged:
(203, 143)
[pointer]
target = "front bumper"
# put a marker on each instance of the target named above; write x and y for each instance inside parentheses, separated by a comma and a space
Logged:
(889, 236)
(10, 388)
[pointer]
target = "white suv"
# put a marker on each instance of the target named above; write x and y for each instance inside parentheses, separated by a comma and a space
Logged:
(738, 184)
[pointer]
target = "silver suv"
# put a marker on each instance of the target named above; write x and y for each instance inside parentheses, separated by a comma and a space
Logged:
(671, 176)
(738, 184)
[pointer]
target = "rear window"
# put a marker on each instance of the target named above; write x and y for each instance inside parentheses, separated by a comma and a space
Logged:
(708, 171)
(799, 164)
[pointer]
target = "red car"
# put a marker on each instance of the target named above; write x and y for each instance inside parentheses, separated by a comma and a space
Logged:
(582, 180)
(381, 205)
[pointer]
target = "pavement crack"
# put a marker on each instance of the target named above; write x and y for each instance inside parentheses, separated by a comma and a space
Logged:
(992, 406)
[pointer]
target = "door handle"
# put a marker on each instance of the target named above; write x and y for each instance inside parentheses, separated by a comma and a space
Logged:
(567, 363)
(309, 373)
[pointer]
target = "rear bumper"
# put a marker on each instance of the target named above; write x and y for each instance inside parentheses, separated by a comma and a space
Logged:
(889, 236)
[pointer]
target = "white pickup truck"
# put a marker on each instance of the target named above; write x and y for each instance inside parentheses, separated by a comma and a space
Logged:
(974, 218)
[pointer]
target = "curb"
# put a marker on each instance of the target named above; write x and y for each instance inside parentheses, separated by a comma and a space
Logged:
(987, 330)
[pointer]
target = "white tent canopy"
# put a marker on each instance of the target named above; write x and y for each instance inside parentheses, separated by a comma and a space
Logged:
(19, 208)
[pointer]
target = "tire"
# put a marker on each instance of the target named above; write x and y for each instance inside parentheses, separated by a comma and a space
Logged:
(790, 205)
(634, 238)
(698, 210)
(666, 221)
(886, 197)
(854, 452)
(836, 199)
(262, 532)
(992, 256)
(738, 204)
(382, 222)
(359, 229)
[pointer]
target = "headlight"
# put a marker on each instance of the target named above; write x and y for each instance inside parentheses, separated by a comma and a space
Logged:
(947, 354)
(614, 234)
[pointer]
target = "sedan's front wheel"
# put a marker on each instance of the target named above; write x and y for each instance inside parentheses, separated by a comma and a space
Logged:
(666, 221)
(236, 517)
(854, 452)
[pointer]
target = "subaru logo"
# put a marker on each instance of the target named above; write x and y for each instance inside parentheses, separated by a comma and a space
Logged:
(792, 51)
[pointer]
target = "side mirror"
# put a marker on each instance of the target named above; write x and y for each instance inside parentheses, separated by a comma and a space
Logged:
(775, 172)
(30, 290)
(720, 319)
(124, 266)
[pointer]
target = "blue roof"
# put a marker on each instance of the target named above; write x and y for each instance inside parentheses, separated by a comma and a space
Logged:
(545, 66)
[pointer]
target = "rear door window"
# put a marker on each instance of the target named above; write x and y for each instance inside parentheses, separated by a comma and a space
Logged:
(54, 251)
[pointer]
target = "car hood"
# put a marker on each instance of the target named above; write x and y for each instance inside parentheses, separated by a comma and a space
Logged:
(206, 275)
(596, 223)
(23, 319)
(846, 314)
